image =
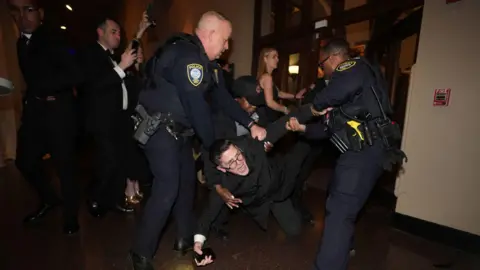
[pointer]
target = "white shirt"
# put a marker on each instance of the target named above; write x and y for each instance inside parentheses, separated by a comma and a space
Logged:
(28, 36)
(122, 75)
(241, 130)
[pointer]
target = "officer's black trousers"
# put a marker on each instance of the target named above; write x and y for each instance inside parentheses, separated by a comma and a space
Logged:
(49, 127)
(354, 177)
(171, 162)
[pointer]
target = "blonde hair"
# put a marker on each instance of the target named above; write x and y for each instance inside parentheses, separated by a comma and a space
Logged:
(262, 66)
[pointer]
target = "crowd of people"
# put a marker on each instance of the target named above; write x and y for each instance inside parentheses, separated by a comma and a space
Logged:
(185, 95)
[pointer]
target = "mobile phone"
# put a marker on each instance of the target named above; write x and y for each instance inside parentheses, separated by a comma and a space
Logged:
(205, 252)
(135, 45)
(150, 15)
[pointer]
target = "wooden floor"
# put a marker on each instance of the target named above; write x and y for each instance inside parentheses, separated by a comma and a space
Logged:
(103, 244)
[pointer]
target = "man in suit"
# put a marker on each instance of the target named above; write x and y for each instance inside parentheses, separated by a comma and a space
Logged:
(48, 120)
(105, 100)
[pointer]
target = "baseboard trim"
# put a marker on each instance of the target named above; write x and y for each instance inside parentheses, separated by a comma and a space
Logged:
(437, 233)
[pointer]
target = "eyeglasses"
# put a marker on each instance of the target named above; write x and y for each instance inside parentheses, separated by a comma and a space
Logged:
(15, 11)
(233, 163)
(322, 63)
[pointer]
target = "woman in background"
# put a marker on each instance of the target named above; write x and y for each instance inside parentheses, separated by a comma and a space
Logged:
(267, 63)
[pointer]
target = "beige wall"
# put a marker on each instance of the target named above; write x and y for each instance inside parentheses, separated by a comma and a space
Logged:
(407, 52)
(441, 183)
(183, 15)
(10, 106)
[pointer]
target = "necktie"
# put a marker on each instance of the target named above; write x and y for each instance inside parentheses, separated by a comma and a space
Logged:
(25, 39)
(23, 52)
(112, 56)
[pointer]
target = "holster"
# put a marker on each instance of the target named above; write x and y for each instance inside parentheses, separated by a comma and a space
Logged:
(342, 135)
(354, 133)
(389, 132)
(346, 138)
(145, 125)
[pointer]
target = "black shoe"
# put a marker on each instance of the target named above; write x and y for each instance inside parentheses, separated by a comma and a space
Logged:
(124, 208)
(307, 217)
(352, 252)
(71, 227)
(96, 210)
(183, 245)
(39, 213)
(221, 233)
(139, 262)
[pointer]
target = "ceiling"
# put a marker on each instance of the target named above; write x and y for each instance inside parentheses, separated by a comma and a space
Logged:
(82, 20)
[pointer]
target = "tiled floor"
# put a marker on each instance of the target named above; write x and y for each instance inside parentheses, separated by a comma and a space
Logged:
(103, 244)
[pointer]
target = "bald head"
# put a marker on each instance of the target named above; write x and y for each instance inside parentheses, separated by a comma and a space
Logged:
(214, 30)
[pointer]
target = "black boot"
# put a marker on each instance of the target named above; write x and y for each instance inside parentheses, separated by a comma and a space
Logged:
(70, 226)
(40, 213)
(139, 262)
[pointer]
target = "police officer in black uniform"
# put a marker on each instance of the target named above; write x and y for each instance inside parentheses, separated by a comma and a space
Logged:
(355, 105)
(181, 79)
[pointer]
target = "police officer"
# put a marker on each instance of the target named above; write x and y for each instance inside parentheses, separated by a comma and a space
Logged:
(354, 84)
(181, 76)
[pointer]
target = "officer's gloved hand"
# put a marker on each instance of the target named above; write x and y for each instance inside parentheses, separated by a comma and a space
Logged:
(394, 157)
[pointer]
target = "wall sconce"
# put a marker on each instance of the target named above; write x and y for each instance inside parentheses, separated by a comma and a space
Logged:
(293, 70)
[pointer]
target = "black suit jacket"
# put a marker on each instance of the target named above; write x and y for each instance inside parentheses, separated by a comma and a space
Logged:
(266, 181)
(47, 66)
(102, 94)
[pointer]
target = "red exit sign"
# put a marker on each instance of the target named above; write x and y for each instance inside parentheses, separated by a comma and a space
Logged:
(452, 1)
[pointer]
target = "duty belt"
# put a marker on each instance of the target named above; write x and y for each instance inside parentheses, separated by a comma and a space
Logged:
(146, 125)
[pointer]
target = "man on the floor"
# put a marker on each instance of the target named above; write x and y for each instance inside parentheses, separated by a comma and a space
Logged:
(252, 180)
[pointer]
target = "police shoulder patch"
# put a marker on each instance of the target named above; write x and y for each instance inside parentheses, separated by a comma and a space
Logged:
(346, 65)
(195, 74)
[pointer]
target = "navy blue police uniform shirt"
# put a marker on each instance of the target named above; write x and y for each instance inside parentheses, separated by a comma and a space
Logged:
(182, 80)
(351, 81)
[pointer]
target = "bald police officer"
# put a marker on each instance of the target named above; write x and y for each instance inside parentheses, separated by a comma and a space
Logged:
(182, 81)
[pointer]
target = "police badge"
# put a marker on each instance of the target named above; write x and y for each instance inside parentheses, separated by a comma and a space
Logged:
(346, 65)
(195, 74)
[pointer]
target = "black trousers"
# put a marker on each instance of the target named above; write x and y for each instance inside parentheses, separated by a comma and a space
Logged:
(171, 162)
(313, 150)
(354, 177)
(49, 127)
(108, 186)
(287, 216)
(132, 160)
